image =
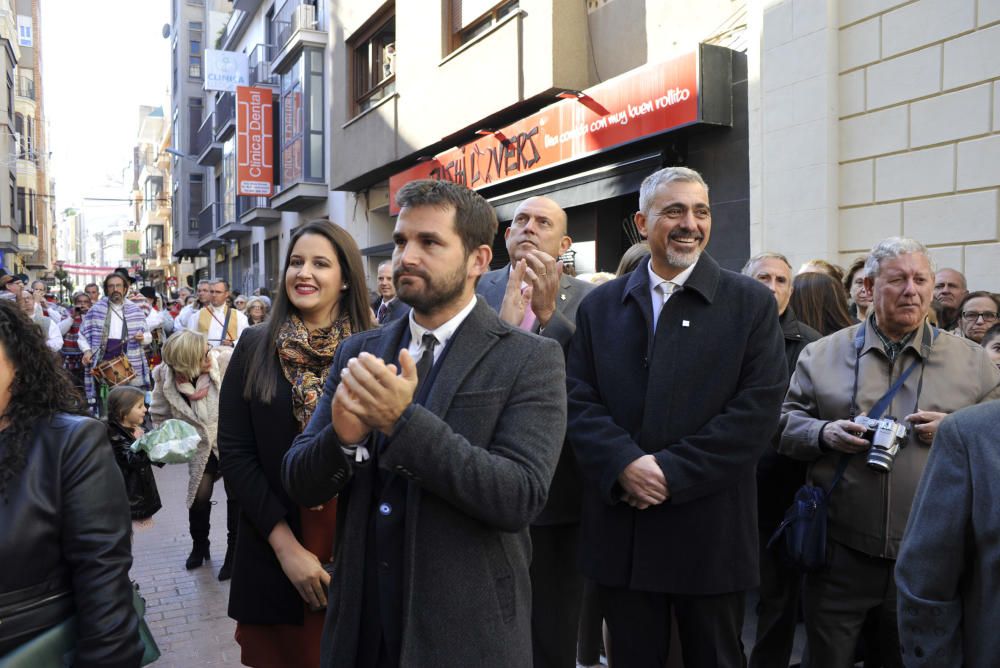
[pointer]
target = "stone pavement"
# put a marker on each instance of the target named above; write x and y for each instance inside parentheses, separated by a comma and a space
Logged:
(186, 610)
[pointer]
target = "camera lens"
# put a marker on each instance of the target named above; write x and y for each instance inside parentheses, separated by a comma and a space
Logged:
(880, 460)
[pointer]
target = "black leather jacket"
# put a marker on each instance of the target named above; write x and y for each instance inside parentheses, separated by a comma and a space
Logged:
(66, 523)
(137, 471)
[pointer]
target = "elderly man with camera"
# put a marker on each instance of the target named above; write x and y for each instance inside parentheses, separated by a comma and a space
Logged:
(897, 360)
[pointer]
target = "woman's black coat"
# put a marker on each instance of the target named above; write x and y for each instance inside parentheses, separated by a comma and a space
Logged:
(65, 525)
(253, 438)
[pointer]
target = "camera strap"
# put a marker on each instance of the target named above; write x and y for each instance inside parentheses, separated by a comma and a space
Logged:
(883, 403)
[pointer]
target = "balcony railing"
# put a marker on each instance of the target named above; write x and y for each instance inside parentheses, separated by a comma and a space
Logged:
(26, 87)
(260, 66)
(225, 116)
(297, 15)
(256, 210)
(206, 221)
(225, 214)
(203, 136)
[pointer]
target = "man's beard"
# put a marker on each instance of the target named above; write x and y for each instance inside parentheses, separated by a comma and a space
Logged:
(116, 298)
(682, 260)
(435, 294)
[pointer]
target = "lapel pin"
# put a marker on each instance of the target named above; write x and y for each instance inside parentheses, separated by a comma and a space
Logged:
(563, 296)
(685, 323)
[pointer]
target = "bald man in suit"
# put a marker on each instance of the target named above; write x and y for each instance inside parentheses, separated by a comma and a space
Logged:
(533, 293)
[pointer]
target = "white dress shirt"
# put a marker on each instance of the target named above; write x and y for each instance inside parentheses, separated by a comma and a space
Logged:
(443, 334)
(658, 297)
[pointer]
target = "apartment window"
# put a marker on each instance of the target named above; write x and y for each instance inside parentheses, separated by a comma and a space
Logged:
(228, 194)
(470, 18)
(373, 51)
(19, 131)
(194, 58)
(29, 137)
(10, 98)
(302, 119)
(197, 200)
(195, 109)
(22, 211)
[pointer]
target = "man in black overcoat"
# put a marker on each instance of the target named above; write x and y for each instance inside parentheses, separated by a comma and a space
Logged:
(676, 375)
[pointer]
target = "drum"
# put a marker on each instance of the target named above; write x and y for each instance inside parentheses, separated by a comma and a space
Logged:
(114, 371)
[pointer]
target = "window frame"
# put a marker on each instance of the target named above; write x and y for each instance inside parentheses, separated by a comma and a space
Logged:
(306, 81)
(479, 25)
(376, 91)
(196, 41)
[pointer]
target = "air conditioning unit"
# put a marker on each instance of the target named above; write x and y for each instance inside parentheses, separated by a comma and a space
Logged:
(304, 17)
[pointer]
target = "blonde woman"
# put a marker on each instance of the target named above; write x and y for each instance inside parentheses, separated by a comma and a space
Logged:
(186, 388)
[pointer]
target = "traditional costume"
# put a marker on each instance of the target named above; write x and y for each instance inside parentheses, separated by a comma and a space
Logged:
(109, 331)
(223, 325)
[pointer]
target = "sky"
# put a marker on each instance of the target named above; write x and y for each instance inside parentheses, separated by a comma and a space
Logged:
(100, 61)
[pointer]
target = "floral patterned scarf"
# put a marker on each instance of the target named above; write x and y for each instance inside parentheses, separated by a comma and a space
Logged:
(305, 360)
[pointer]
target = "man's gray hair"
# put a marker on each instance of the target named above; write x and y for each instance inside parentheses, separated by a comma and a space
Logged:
(204, 281)
(663, 176)
(216, 281)
(766, 255)
(893, 247)
(383, 263)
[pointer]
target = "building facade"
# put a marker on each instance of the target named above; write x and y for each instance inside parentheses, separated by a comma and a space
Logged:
(820, 125)
(9, 221)
(285, 48)
(151, 196)
(879, 118)
(34, 190)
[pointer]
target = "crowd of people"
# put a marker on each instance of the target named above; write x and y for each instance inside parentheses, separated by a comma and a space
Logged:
(519, 467)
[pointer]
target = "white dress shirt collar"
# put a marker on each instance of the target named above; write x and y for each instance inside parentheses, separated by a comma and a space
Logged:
(443, 333)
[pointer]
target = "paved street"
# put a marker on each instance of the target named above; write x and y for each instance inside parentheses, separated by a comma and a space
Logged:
(186, 610)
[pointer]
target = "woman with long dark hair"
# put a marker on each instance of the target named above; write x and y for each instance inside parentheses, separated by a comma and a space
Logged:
(275, 379)
(63, 509)
(820, 301)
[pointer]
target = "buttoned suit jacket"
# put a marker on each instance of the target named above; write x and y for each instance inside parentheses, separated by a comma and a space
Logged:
(478, 457)
(563, 506)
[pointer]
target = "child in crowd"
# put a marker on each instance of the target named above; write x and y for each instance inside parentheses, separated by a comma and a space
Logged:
(991, 341)
(126, 412)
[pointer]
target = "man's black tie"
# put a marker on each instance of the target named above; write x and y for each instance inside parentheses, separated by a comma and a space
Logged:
(428, 342)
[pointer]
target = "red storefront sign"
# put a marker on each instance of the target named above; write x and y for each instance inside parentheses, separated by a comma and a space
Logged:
(643, 102)
(254, 141)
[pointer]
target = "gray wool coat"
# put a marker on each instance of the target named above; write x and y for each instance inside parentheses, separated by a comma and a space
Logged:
(479, 457)
(948, 571)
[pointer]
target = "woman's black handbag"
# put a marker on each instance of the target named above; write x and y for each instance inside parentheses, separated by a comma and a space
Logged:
(55, 647)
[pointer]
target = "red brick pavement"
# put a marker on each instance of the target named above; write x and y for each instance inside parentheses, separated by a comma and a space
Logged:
(186, 610)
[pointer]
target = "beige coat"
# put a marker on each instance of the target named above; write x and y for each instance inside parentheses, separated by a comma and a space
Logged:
(169, 403)
(869, 510)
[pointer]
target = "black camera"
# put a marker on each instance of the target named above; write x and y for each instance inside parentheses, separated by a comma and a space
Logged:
(885, 435)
